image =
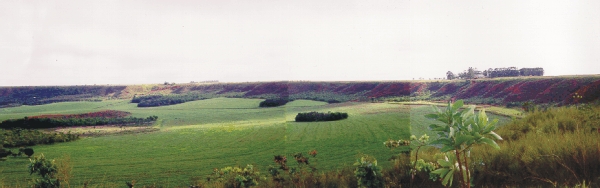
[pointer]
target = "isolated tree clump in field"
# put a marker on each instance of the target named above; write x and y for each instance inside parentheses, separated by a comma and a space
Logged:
(273, 102)
(318, 116)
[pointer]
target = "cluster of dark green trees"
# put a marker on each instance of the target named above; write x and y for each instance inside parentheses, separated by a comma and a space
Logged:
(513, 72)
(29, 137)
(274, 102)
(319, 116)
(532, 71)
(163, 100)
(41, 123)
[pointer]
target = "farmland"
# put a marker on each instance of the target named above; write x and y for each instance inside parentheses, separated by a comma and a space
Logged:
(224, 126)
(196, 137)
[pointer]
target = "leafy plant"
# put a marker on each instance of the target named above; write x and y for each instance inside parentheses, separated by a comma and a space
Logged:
(367, 172)
(460, 132)
(417, 164)
(304, 174)
(46, 169)
(236, 176)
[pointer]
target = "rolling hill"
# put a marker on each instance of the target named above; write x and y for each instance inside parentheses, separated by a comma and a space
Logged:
(560, 90)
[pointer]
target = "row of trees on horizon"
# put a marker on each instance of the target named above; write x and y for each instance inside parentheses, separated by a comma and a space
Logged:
(473, 73)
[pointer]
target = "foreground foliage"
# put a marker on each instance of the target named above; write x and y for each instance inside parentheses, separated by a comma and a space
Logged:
(555, 147)
(46, 169)
(461, 131)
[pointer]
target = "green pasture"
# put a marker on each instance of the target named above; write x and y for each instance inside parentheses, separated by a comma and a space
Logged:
(197, 136)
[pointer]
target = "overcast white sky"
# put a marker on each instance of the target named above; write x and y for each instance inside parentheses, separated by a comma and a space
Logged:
(130, 42)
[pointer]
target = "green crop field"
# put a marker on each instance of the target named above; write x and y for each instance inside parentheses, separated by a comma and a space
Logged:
(195, 137)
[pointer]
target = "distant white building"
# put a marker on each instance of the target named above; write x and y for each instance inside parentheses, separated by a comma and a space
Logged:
(478, 74)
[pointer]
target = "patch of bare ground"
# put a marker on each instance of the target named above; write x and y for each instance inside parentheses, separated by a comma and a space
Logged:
(105, 130)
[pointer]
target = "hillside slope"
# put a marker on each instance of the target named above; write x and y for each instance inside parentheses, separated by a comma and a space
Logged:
(540, 90)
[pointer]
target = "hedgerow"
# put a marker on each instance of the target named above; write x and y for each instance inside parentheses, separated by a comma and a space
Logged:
(27, 137)
(163, 100)
(41, 123)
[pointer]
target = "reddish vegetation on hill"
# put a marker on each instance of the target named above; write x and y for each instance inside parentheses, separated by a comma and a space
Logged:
(496, 90)
(539, 90)
(528, 90)
(447, 89)
(354, 88)
(102, 114)
(279, 88)
(588, 93)
(390, 89)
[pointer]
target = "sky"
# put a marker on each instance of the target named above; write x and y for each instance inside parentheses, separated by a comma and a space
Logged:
(82, 42)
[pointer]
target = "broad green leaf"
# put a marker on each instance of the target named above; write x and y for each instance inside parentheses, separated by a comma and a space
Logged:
(490, 142)
(461, 139)
(494, 121)
(470, 128)
(496, 136)
(467, 112)
(470, 142)
(444, 163)
(488, 128)
(432, 116)
(451, 134)
(441, 172)
(457, 116)
(447, 148)
(435, 127)
(448, 178)
(483, 119)
(457, 105)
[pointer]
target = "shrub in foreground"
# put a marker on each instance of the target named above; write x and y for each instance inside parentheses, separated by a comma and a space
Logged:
(318, 116)
(46, 169)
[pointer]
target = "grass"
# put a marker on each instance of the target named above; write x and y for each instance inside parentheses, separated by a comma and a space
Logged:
(555, 147)
(303, 103)
(197, 136)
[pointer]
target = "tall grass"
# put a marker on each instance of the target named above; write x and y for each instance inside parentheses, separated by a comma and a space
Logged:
(556, 147)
